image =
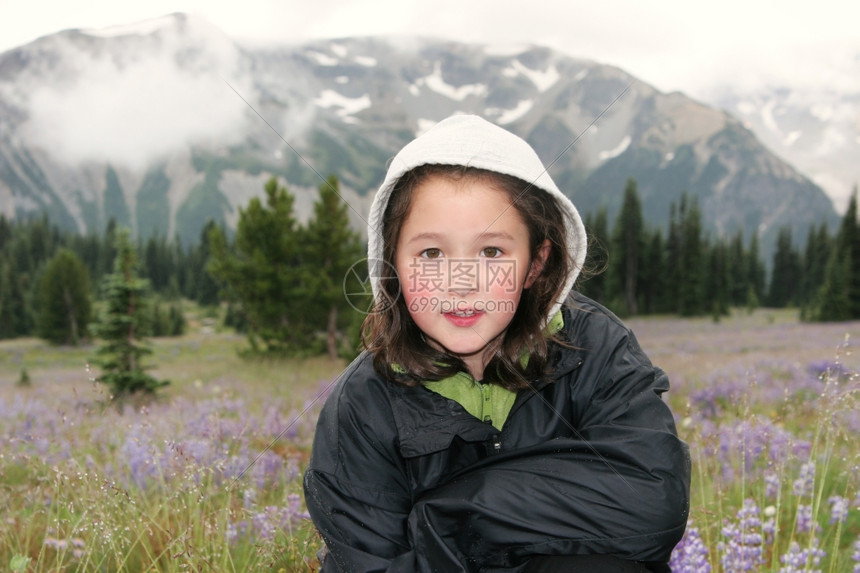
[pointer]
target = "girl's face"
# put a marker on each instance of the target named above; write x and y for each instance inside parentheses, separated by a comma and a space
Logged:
(463, 261)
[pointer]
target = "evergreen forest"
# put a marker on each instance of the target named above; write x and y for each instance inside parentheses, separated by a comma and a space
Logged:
(282, 283)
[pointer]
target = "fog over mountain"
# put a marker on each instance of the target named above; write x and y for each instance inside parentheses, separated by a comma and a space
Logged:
(168, 123)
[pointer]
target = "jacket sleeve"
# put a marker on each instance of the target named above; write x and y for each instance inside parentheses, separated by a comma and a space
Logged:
(355, 488)
(619, 485)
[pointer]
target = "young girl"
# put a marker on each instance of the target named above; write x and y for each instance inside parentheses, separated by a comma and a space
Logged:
(498, 420)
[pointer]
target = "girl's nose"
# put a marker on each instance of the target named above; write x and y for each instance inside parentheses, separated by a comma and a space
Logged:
(462, 291)
(463, 277)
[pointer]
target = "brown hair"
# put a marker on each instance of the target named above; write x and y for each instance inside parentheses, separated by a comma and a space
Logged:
(401, 352)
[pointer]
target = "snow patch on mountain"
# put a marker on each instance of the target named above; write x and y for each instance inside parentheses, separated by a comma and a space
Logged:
(339, 50)
(437, 83)
(348, 106)
(366, 61)
(767, 116)
(322, 59)
(792, 137)
(505, 116)
(618, 150)
(542, 79)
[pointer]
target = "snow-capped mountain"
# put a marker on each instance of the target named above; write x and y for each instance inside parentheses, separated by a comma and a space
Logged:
(168, 123)
(816, 129)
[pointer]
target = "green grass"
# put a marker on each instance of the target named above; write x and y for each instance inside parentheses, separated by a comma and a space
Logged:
(69, 504)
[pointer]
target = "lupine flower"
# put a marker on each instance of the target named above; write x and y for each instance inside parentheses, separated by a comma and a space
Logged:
(839, 507)
(804, 484)
(266, 523)
(742, 549)
(771, 484)
(769, 526)
(806, 520)
(757, 443)
(690, 555)
(798, 560)
(828, 369)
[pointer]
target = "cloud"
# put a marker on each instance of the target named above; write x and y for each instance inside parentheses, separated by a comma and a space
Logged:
(162, 94)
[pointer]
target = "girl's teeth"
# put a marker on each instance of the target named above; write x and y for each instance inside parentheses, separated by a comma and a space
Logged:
(463, 313)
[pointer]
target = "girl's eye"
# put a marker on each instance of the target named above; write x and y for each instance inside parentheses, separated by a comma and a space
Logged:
(491, 252)
(432, 253)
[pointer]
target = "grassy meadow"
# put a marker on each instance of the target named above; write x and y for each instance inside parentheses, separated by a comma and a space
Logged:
(208, 476)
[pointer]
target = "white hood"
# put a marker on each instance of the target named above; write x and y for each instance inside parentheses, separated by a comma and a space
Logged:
(474, 142)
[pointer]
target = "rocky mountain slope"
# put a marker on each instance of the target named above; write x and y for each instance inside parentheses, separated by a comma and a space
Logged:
(816, 129)
(166, 124)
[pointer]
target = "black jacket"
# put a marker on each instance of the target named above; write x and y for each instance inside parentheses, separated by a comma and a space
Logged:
(403, 479)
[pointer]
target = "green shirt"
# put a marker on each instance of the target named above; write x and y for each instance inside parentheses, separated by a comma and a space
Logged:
(487, 402)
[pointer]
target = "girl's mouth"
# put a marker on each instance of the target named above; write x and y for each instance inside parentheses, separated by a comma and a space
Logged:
(463, 318)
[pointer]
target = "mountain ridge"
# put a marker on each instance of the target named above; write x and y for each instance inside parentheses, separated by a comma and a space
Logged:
(196, 123)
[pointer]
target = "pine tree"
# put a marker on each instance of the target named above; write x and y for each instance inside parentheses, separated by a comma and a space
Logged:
(627, 248)
(786, 271)
(5, 232)
(64, 309)
(263, 274)
(592, 281)
(653, 274)
(122, 325)
(837, 297)
(755, 274)
(330, 248)
(717, 281)
(691, 259)
(201, 286)
(852, 240)
(159, 264)
(671, 292)
(738, 270)
(814, 265)
(15, 317)
(832, 300)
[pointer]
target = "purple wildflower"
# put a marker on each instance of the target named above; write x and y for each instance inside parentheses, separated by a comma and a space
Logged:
(771, 483)
(827, 369)
(742, 549)
(753, 445)
(806, 520)
(266, 523)
(141, 463)
(798, 560)
(839, 507)
(690, 555)
(804, 484)
(769, 527)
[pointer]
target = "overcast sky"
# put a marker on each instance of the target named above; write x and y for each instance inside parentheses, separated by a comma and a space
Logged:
(672, 44)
